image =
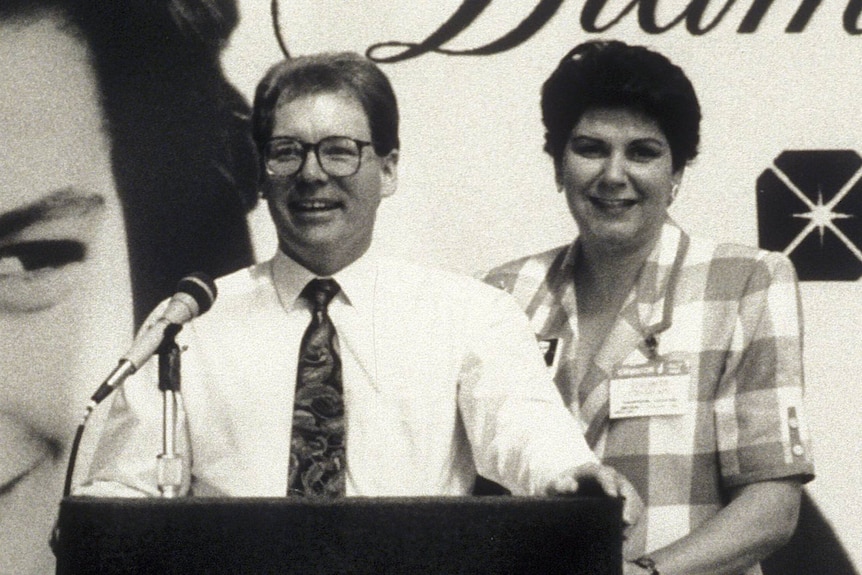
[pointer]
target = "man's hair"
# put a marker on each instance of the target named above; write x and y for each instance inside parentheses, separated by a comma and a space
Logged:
(181, 149)
(611, 74)
(328, 73)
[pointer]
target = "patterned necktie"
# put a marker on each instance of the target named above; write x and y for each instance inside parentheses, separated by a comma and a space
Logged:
(317, 455)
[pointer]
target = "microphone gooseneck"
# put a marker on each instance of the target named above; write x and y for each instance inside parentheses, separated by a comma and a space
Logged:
(194, 296)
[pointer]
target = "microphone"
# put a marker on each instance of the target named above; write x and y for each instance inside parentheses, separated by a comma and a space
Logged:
(194, 296)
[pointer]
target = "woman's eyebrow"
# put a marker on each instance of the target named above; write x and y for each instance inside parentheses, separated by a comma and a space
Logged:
(60, 204)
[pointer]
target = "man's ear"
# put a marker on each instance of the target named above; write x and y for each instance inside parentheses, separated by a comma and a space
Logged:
(389, 174)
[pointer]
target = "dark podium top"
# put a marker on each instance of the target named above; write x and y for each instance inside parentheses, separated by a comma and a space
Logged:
(354, 535)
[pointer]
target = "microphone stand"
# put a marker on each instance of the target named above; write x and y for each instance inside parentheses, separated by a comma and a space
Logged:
(170, 463)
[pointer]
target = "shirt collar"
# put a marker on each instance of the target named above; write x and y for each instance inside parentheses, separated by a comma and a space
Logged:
(657, 282)
(357, 280)
(650, 304)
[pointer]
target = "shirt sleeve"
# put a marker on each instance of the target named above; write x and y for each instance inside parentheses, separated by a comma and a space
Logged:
(521, 433)
(125, 463)
(759, 407)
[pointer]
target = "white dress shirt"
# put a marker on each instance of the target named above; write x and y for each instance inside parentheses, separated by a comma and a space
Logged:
(442, 377)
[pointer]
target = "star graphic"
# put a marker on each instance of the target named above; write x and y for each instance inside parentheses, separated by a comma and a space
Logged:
(821, 216)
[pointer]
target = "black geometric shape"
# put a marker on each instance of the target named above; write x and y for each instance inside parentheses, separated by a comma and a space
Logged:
(826, 261)
(774, 203)
(795, 216)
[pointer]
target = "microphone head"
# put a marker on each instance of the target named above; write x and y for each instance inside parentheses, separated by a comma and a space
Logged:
(195, 295)
(201, 288)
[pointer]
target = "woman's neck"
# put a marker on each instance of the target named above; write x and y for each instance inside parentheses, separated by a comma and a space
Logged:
(604, 277)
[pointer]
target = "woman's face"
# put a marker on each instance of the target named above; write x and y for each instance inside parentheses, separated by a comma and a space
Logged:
(65, 298)
(618, 178)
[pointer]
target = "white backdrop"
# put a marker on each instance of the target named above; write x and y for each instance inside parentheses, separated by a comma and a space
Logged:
(476, 189)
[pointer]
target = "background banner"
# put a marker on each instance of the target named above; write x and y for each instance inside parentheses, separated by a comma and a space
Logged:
(780, 162)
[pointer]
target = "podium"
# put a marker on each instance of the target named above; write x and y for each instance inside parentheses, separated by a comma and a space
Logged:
(353, 535)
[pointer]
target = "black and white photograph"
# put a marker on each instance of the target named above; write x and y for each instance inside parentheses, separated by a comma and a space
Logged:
(463, 286)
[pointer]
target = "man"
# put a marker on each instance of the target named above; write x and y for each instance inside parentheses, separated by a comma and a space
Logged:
(409, 380)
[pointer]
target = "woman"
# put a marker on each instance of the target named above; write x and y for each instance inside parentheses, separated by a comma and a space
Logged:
(681, 357)
(126, 164)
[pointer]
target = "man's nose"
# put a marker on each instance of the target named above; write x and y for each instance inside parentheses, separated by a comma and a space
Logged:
(311, 168)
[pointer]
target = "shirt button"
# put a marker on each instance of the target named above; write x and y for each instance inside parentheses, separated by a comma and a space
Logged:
(793, 423)
(798, 450)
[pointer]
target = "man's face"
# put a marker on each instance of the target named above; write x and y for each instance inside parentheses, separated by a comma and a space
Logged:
(65, 298)
(326, 222)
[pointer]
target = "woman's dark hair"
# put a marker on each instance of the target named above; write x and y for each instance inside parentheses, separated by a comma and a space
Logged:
(181, 149)
(613, 74)
(330, 72)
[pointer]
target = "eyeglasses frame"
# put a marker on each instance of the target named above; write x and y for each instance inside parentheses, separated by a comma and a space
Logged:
(308, 146)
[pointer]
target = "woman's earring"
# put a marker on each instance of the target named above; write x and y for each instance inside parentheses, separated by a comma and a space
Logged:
(673, 192)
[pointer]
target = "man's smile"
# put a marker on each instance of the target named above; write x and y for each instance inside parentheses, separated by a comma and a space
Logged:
(611, 203)
(314, 205)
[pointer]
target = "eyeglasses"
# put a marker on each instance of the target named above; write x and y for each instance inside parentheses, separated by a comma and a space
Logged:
(338, 156)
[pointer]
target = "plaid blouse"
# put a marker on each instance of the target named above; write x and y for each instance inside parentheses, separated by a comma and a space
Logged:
(729, 313)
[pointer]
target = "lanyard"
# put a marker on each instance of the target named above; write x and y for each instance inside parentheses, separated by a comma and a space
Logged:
(650, 341)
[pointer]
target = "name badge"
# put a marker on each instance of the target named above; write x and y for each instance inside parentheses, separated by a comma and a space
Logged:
(659, 387)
